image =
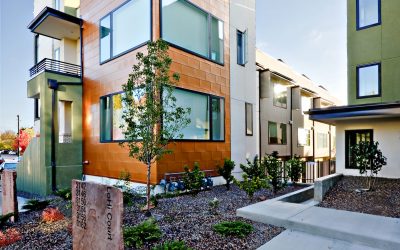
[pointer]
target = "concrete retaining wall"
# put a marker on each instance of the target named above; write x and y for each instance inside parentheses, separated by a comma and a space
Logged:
(323, 184)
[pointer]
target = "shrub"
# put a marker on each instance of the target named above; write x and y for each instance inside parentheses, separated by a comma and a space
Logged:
(250, 186)
(367, 157)
(52, 214)
(253, 169)
(233, 228)
(9, 237)
(172, 245)
(226, 172)
(193, 179)
(275, 170)
(36, 205)
(295, 168)
(64, 193)
(213, 205)
(146, 231)
(4, 218)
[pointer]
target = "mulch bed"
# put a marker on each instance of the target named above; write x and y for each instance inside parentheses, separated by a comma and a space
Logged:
(185, 217)
(383, 200)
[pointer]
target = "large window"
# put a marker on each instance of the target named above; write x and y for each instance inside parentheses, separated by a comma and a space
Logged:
(202, 107)
(368, 13)
(303, 137)
(276, 133)
(111, 108)
(322, 140)
(280, 95)
(191, 28)
(249, 118)
(369, 80)
(353, 137)
(125, 29)
(241, 38)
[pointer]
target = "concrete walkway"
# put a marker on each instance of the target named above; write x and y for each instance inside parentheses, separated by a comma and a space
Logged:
(326, 228)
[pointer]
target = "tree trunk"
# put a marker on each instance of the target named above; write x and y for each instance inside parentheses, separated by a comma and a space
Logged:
(148, 213)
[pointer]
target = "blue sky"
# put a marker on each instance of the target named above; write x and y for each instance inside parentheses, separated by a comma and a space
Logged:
(309, 35)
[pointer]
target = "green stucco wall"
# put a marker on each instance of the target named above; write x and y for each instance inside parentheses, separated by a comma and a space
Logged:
(376, 44)
(34, 171)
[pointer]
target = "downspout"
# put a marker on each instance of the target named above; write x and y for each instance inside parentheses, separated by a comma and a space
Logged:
(291, 122)
(259, 114)
(53, 85)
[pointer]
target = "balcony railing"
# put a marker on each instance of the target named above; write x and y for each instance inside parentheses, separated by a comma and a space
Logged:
(55, 66)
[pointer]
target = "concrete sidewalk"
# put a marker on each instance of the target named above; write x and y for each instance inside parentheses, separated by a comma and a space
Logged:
(330, 225)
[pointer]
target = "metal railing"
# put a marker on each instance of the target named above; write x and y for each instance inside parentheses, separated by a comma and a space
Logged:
(314, 170)
(56, 67)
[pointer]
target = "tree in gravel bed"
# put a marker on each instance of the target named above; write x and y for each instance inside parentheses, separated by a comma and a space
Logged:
(150, 113)
(147, 231)
(233, 228)
(295, 167)
(226, 172)
(369, 160)
(275, 170)
(254, 177)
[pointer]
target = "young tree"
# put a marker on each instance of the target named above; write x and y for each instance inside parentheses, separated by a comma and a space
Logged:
(295, 167)
(367, 157)
(152, 117)
(275, 170)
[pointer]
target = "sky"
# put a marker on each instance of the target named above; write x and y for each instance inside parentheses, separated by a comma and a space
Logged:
(309, 35)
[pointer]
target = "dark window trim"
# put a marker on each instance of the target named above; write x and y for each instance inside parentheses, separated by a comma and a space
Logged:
(209, 35)
(245, 60)
(36, 109)
(245, 118)
(278, 144)
(358, 27)
(111, 118)
(358, 80)
(110, 14)
(347, 149)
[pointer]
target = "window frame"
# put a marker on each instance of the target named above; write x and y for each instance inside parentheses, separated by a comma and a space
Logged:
(111, 118)
(110, 14)
(244, 36)
(358, 80)
(269, 138)
(358, 27)
(348, 133)
(36, 109)
(274, 99)
(210, 16)
(308, 138)
(251, 120)
(321, 143)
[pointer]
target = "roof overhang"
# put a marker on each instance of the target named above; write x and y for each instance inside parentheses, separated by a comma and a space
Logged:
(333, 115)
(56, 24)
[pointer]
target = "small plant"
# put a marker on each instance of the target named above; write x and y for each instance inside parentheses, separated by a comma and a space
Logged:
(193, 179)
(9, 237)
(275, 170)
(52, 214)
(368, 158)
(250, 186)
(146, 231)
(64, 193)
(213, 205)
(226, 172)
(233, 228)
(253, 169)
(172, 245)
(295, 168)
(35, 204)
(5, 218)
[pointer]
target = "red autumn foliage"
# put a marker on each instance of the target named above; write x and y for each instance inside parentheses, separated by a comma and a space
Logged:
(51, 214)
(25, 136)
(9, 237)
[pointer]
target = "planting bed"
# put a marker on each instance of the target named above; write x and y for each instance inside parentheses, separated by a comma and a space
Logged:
(383, 200)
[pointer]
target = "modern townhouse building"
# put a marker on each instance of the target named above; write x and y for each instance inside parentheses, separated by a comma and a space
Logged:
(373, 113)
(84, 53)
(285, 96)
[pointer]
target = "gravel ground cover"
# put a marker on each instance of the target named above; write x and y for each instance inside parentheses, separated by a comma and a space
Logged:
(384, 200)
(184, 217)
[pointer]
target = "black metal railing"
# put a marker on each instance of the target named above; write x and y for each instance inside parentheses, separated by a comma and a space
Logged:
(56, 67)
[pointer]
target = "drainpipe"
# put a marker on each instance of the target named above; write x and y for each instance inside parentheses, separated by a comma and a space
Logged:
(259, 114)
(53, 85)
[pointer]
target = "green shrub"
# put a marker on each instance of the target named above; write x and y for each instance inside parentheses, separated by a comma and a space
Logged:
(250, 186)
(275, 170)
(295, 168)
(172, 245)
(233, 228)
(64, 193)
(146, 231)
(5, 218)
(35, 204)
(193, 179)
(213, 205)
(253, 169)
(226, 172)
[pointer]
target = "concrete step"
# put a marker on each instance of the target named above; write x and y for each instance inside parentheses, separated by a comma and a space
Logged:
(289, 240)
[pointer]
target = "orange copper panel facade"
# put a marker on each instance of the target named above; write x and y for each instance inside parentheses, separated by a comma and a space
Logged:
(198, 74)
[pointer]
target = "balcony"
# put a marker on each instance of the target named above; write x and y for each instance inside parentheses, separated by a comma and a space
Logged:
(58, 67)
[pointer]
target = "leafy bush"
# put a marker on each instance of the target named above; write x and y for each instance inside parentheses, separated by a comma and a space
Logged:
(295, 168)
(250, 186)
(9, 237)
(146, 231)
(193, 179)
(4, 218)
(367, 157)
(275, 170)
(213, 205)
(234, 228)
(172, 245)
(226, 172)
(36, 205)
(253, 169)
(64, 193)
(52, 214)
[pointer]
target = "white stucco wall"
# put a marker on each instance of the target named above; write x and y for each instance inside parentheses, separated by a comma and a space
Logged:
(244, 87)
(386, 132)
